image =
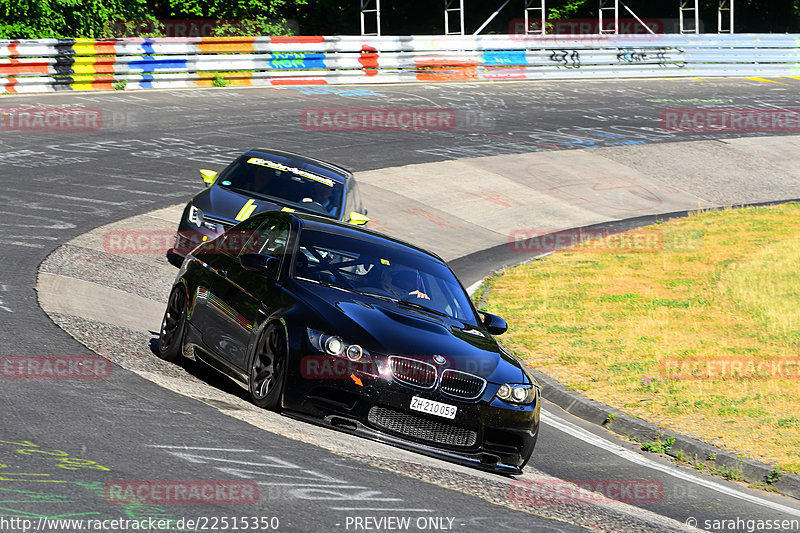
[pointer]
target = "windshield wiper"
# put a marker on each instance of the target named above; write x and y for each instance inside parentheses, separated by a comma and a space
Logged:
(323, 283)
(327, 284)
(378, 296)
(259, 195)
(236, 189)
(415, 305)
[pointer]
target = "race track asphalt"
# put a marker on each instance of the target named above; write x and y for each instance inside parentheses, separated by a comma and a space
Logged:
(58, 185)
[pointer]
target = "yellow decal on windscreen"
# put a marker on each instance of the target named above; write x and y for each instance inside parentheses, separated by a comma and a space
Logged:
(278, 166)
(288, 209)
(246, 210)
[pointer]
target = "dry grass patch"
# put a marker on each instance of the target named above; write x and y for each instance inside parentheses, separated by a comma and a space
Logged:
(723, 291)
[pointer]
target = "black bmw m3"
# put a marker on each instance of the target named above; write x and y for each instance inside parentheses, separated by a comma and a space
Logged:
(348, 328)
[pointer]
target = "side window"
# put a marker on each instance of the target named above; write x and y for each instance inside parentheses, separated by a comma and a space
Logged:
(273, 238)
(350, 202)
(233, 241)
(269, 239)
(357, 205)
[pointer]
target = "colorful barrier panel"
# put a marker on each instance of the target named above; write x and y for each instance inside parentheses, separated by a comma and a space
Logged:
(47, 65)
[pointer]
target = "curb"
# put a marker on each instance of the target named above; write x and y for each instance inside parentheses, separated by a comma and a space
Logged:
(623, 424)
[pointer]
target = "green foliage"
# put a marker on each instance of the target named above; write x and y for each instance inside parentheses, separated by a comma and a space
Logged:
(659, 446)
(120, 85)
(220, 81)
(226, 9)
(775, 476)
(257, 26)
(32, 19)
(27, 19)
(732, 474)
(569, 9)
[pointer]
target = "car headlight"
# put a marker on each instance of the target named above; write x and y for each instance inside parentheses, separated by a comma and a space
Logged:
(195, 216)
(519, 394)
(333, 345)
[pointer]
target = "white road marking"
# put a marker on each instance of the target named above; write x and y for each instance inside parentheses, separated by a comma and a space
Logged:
(56, 224)
(4, 288)
(66, 197)
(199, 448)
(39, 237)
(579, 433)
(313, 485)
(20, 243)
(303, 484)
(141, 410)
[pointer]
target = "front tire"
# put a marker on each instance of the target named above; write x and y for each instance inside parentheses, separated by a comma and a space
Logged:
(173, 325)
(268, 368)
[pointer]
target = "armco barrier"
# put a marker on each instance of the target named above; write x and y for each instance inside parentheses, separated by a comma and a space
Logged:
(84, 64)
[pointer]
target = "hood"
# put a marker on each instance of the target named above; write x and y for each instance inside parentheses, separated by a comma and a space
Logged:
(387, 328)
(222, 203)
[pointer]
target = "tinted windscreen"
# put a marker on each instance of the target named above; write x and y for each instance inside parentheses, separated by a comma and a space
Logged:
(381, 271)
(285, 185)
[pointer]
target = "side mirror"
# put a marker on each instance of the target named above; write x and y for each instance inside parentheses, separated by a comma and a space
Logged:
(357, 219)
(209, 176)
(174, 259)
(263, 264)
(494, 324)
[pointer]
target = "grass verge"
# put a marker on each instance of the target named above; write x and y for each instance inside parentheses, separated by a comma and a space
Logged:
(699, 334)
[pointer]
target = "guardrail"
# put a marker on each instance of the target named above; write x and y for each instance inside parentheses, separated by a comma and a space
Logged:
(48, 65)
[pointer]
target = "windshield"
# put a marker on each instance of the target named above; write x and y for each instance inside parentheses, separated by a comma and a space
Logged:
(286, 185)
(383, 272)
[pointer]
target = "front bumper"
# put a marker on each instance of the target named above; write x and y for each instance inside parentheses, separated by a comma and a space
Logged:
(480, 460)
(486, 433)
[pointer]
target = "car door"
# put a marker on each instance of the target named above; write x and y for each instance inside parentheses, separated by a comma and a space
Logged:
(241, 298)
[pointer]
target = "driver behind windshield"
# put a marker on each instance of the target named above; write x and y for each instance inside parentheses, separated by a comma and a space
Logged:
(290, 187)
(404, 283)
(322, 194)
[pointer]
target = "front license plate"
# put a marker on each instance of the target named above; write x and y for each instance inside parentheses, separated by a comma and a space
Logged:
(433, 408)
